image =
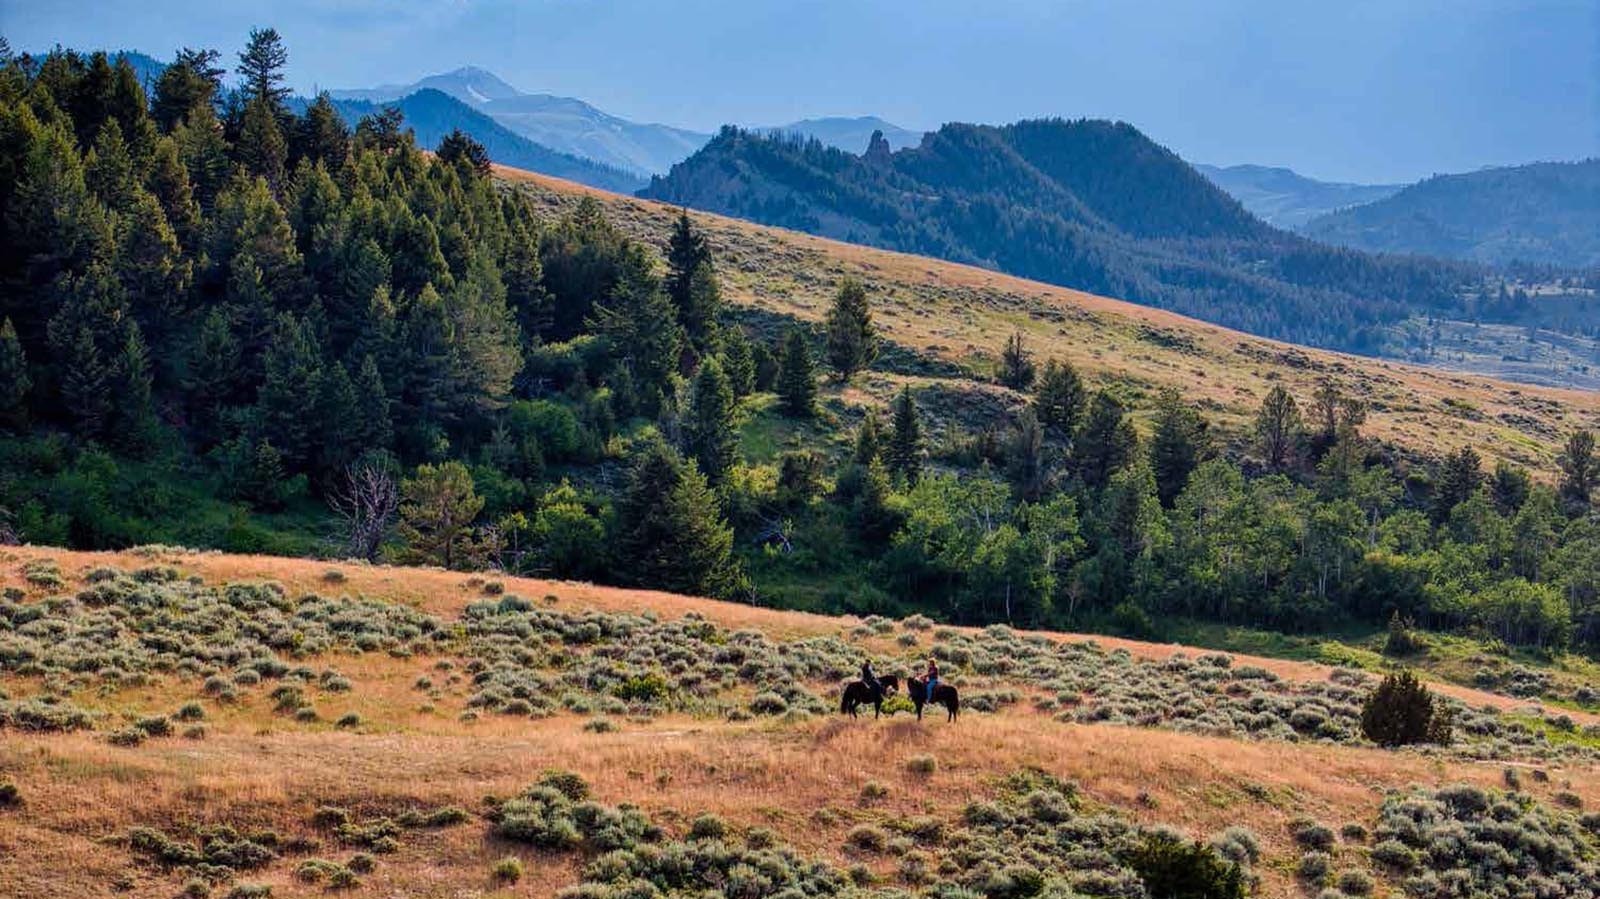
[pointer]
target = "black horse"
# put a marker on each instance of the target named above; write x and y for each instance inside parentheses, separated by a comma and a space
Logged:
(943, 694)
(857, 694)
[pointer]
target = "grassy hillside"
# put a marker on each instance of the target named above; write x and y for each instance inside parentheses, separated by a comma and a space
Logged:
(959, 317)
(407, 697)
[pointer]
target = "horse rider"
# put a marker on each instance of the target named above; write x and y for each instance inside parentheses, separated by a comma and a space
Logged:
(931, 678)
(871, 679)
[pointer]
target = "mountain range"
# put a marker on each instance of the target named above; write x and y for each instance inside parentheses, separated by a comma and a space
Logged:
(1287, 199)
(1090, 204)
(1545, 213)
(574, 127)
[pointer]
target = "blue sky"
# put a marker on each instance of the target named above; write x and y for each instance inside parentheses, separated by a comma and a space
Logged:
(1368, 90)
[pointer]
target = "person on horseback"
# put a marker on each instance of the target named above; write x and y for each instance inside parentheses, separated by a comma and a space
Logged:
(932, 677)
(870, 678)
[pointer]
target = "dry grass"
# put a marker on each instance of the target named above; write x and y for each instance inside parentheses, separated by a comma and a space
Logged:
(256, 770)
(961, 314)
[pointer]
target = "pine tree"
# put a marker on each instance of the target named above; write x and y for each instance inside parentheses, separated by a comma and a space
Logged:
(192, 81)
(437, 509)
(852, 338)
(1026, 462)
(669, 534)
(338, 422)
(213, 376)
(262, 148)
(1176, 446)
(154, 271)
(204, 152)
(1278, 427)
(686, 251)
(869, 440)
(372, 426)
(1580, 469)
(1016, 364)
(322, 135)
(738, 362)
(1060, 400)
(641, 330)
(15, 381)
(1510, 486)
(523, 274)
(797, 380)
(459, 149)
(293, 368)
(709, 436)
(261, 68)
(108, 169)
(702, 308)
(903, 456)
(133, 418)
(1105, 442)
(485, 356)
(86, 335)
(1460, 477)
(169, 182)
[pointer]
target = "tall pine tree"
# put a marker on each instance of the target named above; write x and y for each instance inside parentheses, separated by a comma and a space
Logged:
(797, 379)
(903, 455)
(709, 436)
(852, 338)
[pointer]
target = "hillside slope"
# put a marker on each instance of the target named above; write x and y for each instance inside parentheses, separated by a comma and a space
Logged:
(1091, 204)
(1546, 213)
(397, 741)
(1287, 199)
(962, 316)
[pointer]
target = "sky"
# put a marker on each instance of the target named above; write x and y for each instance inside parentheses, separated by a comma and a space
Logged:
(1357, 90)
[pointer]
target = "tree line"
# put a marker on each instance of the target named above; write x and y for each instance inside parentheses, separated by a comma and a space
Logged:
(325, 324)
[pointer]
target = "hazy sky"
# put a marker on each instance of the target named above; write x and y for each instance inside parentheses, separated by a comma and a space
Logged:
(1365, 90)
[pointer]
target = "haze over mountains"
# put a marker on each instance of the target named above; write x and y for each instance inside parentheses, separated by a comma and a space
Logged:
(1288, 199)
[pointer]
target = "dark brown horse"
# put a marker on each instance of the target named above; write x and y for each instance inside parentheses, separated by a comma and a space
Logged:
(943, 694)
(857, 694)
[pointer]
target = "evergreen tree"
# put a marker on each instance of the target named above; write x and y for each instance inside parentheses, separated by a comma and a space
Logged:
(797, 380)
(293, 368)
(86, 336)
(262, 148)
(869, 440)
(204, 152)
(261, 68)
(641, 331)
(1278, 428)
(15, 382)
(1016, 364)
(437, 509)
(460, 150)
(1060, 399)
(371, 427)
(1460, 476)
(709, 437)
(1105, 442)
(523, 275)
(852, 338)
(702, 308)
(169, 182)
(154, 271)
(484, 351)
(213, 376)
(192, 81)
(338, 422)
(1509, 487)
(1026, 462)
(1580, 469)
(1177, 445)
(687, 250)
(133, 417)
(322, 135)
(738, 362)
(903, 456)
(108, 169)
(669, 534)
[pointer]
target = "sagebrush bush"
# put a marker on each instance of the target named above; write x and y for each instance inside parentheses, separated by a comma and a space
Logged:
(508, 869)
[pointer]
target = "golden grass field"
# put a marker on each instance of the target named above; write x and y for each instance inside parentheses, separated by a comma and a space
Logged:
(963, 315)
(258, 769)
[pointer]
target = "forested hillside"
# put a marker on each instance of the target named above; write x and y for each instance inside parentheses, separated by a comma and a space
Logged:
(222, 324)
(1287, 199)
(1090, 204)
(1546, 213)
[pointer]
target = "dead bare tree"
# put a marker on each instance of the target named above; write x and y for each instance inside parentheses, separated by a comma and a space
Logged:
(366, 501)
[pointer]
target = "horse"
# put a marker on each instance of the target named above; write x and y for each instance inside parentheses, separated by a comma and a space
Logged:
(943, 694)
(857, 694)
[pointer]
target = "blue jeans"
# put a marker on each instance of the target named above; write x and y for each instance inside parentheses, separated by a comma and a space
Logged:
(932, 682)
